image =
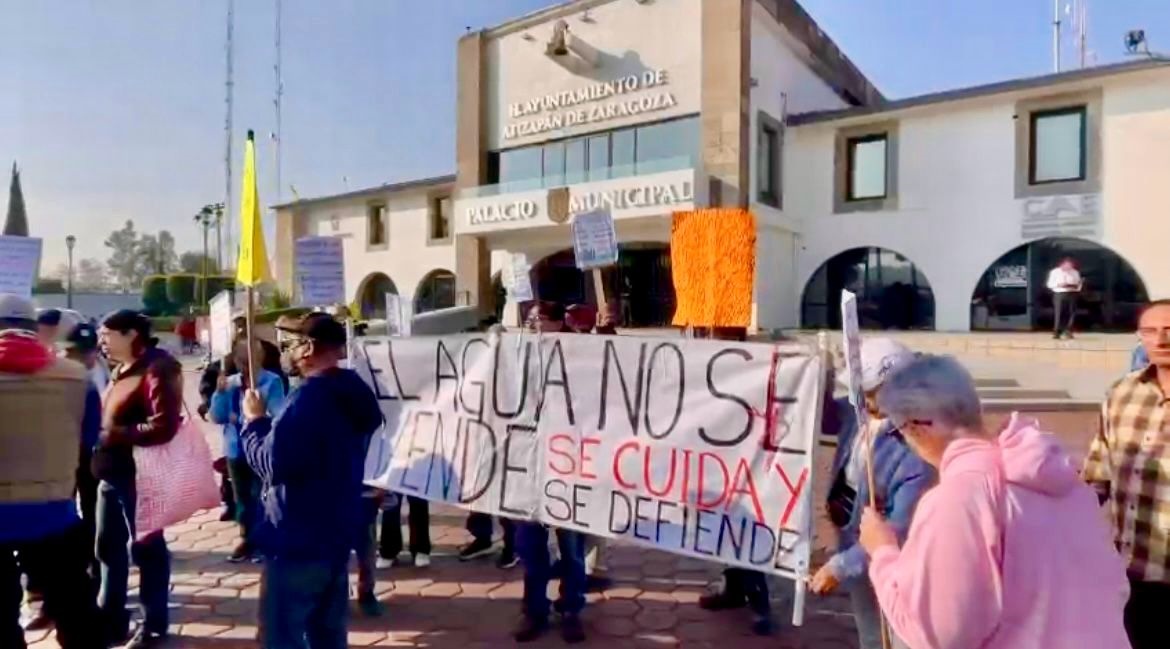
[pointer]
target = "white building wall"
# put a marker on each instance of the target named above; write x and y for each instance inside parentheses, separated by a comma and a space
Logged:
(782, 82)
(407, 257)
(957, 212)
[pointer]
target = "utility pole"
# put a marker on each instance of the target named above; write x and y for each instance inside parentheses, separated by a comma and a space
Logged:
(228, 136)
(218, 207)
(276, 102)
(1056, 35)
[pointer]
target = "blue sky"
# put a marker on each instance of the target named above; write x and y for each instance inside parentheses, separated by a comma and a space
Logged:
(114, 108)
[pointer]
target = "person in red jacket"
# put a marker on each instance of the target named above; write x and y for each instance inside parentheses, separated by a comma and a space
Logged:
(142, 407)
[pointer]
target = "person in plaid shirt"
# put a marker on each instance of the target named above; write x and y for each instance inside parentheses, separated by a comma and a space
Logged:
(1129, 465)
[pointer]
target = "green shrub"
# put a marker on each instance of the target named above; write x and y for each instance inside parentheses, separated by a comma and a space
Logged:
(154, 296)
(181, 291)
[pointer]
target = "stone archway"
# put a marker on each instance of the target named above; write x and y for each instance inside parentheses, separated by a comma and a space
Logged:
(436, 290)
(1012, 293)
(892, 292)
(372, 295)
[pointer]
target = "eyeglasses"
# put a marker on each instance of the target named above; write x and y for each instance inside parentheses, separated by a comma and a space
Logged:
(1153, 332)
(906, 423)
(291, 343)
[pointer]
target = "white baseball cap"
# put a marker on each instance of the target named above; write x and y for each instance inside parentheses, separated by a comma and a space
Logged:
(16, 308)
(880, 357)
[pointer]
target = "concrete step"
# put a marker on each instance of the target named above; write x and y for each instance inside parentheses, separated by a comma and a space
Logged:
(996, 383)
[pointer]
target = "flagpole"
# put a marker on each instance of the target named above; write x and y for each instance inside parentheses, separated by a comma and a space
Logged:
(248, 315)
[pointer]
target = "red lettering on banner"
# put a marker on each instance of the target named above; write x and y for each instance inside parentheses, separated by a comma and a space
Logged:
(686, 477)
(586, 459)
(631, 445)
(745, 484)
(702, 482)
(566, 455)
(669, 480)
(794, 491)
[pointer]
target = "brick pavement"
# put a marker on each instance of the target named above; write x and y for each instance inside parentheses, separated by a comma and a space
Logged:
(652, 602)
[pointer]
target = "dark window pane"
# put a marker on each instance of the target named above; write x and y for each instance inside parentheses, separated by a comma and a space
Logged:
(599, 157)
(867, 168)
(574, 161)
(622, 153)
(666, 145)
(891, 292)
(520, 164)
(554, 164)
(1058, 145)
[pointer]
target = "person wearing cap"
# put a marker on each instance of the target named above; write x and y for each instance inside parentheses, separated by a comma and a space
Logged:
(225, 411)
(141, 407)
(55, 324)
(310, 460)
(81, 346)
(900, 478)
(42, 402)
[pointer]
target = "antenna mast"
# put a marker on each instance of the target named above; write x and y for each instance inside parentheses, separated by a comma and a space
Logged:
(276, 141)
(228, 205)
(1056, 35)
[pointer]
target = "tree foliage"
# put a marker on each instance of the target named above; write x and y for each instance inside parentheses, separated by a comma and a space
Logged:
(134, 256)
(192, 262)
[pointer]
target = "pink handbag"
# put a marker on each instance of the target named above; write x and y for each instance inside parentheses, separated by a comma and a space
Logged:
(174, 480)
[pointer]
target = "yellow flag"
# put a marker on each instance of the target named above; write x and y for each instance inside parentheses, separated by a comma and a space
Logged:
(252, 266)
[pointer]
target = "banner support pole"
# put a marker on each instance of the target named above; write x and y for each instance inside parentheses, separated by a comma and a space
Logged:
(248, 328)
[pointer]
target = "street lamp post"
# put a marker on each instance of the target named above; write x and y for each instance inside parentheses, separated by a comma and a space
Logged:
(218, 207)
(70, 241)
(204, 219)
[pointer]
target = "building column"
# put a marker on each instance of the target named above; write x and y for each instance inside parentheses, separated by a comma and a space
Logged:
(472, 258)
(724, 112)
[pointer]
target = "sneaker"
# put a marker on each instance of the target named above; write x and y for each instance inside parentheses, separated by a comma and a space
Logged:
(384, 564)
(38, 621)
(762, 625)
(422, 560)
(369, 605)
(227, 516)
(507, 559)
(242, 553)
(572, 632)
(530, 629)
(476, 549)
(721, 602)
(147, 640)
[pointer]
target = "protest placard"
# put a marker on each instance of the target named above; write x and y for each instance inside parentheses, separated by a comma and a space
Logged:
(851, 346)
(698, 447)
(220, 315)
(20, 261)
(320, 271)
(594, 239)
(519, 282)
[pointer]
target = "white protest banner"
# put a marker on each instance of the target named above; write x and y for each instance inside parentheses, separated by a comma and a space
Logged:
(220, 316)
(393, 315)
(519, 281)
(320, 271)
(594, 239)
(698, 447)
(20, 261)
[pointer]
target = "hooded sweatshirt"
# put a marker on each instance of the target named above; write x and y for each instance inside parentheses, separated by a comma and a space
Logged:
(24, 516)
(1009, 551)
(310, 459)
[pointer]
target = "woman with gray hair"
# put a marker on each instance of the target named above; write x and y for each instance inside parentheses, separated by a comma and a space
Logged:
(1010, 550)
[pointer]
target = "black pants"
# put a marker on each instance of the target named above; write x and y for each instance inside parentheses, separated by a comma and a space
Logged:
(1064, 312)
(419, 521)
(1145, 614)
(245, 496)
(749, 585)
(59, 563)
(480, 526)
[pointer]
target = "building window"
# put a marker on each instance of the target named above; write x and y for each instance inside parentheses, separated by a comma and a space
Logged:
(440, 229)
(1056, 150)
(376, 224)
(866, 167)
(598, 164)
(768, 160)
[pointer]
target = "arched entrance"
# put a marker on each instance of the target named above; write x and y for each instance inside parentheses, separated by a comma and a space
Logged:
(1012, 294)
(372, 295)
(640, 287)
(435, 291)
(892, 293)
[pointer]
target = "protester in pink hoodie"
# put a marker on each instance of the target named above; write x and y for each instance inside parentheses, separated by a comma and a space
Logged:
(1010, 550)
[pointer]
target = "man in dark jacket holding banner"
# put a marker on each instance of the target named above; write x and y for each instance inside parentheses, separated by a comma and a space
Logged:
(310, 460)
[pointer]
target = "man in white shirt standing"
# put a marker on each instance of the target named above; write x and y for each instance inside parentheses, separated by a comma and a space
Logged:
(1066, 283)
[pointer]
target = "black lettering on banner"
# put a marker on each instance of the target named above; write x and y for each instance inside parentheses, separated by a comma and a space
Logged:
(682, 381)
(439, 455)
(686, 519)
(512, 468)
(478, 412)
(375, 372)
(726, 531)
(579, 504)
(413, 449)
(558, 498)
(558, 355)
(441, 353)
(719, 394)
(632, 410)
(523, 370)
(394, 370)
(463, 468)
(789, 539)
(614, 496)
(699, 529)
(763, 540)
(660, 517)
(638, 517)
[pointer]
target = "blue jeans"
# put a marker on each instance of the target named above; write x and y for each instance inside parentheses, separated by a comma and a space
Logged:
(867, 615)
(115, 548)
(304, 604)
(532, 543)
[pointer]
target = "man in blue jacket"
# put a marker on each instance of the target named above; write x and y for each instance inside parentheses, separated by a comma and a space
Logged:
(310, 460)
(900, 479)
